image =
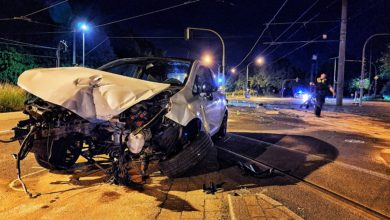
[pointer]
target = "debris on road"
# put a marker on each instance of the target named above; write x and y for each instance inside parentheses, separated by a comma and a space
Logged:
(212, 188)
(252, 170)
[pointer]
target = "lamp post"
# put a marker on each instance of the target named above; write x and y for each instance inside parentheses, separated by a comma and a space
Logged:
(376, 81)
(84, 27)
(188, 36)
(285, 81)
(363, 62)
(258, 61)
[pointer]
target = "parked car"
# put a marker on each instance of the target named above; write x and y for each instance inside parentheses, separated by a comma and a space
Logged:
(134, 109)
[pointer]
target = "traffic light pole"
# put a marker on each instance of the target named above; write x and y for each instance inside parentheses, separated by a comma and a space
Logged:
(188, 36)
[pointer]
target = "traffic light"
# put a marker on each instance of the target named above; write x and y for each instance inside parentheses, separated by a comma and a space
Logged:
(188, 34)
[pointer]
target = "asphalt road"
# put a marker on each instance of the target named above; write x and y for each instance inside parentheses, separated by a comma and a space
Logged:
(346, 153)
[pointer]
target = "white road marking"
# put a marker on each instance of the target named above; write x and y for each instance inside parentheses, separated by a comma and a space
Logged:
(5, 131)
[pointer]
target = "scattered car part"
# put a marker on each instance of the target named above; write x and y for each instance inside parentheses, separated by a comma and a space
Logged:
(253, 170)
(212, 188)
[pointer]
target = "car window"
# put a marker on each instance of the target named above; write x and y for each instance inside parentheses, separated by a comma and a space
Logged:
(174, 72)
(204, 75)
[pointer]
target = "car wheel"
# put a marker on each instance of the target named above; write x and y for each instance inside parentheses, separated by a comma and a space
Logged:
(187, 158)
(223, 129)
(64, 153)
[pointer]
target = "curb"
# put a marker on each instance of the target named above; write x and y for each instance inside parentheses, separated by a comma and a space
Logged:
(239, 209)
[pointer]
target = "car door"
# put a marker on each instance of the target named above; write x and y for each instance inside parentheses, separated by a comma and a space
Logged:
(211, 100)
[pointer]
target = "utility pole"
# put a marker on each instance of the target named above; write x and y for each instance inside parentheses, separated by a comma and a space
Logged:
(313, 70)
(341, 61)
(334, 74)
(74, 47)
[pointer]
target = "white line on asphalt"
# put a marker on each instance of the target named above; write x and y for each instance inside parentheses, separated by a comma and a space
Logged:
(363, 170)
(5, 131)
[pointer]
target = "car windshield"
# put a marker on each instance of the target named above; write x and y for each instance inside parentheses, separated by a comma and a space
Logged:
(174, 72)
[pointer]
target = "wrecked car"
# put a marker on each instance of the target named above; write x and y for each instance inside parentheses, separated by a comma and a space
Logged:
(134, 109)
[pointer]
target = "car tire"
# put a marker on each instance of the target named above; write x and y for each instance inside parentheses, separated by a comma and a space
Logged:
(222, 129)
(189, 157)
(64, 153)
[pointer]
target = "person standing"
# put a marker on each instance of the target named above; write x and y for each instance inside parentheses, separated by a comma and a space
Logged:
(322, 88)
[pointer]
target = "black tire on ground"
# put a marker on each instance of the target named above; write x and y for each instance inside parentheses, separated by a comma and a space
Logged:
(208, 164)
(190, 156)
(223, 129)
(64, 153)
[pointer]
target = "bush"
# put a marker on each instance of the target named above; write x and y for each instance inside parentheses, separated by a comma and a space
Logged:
(12, 98)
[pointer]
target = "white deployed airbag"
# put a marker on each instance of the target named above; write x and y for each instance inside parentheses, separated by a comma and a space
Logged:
(92, 94)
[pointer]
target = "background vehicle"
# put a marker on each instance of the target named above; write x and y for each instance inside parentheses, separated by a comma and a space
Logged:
(136, 109)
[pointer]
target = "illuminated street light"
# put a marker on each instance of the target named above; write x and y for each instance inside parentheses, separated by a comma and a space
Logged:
(207, 59)
(233, 70)
(259, 61)
(84, 28)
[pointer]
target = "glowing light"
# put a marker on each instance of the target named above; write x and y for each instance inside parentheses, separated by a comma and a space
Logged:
(260, 60)
(207, 59)
(233, 70)
(83, 26)
(305, 97)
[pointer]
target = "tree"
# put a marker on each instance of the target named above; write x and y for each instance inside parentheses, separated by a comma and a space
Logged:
(12, 64)
(384, 68)
(354, 84)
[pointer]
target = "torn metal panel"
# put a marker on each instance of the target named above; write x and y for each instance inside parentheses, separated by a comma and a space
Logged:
(92, 94)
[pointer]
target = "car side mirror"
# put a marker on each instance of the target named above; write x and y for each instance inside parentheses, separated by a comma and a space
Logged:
(206, 87)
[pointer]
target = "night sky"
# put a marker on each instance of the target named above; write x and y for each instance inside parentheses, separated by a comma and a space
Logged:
(239, 21)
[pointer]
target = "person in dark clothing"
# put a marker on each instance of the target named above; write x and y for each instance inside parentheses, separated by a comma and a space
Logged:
(322, 88)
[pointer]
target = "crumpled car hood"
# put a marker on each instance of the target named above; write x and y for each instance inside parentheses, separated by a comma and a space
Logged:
(94, 95)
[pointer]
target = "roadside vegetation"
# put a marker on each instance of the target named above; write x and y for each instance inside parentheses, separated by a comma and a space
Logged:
(11, 98)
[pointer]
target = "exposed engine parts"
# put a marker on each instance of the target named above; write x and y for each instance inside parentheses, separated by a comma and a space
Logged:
(140, 133)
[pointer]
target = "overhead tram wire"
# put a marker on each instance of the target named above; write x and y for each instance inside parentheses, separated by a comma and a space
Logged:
(297, 48)
(305, 22)
(291, 25)
(20, 43)
(262, 33)
(148, 13)
(27, 19)
(43, 9)
(303, 25)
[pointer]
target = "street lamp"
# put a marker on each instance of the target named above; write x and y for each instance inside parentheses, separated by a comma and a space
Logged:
(259, 61)
(376, 79)
(363, 62)
(84, 28)
(188, 36)
(233, 70)
(207, 59)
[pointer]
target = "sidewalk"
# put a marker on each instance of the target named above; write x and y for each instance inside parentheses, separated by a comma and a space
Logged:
(187, 196)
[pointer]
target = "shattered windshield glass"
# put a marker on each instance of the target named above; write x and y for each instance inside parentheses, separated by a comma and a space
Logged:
(174, 72)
